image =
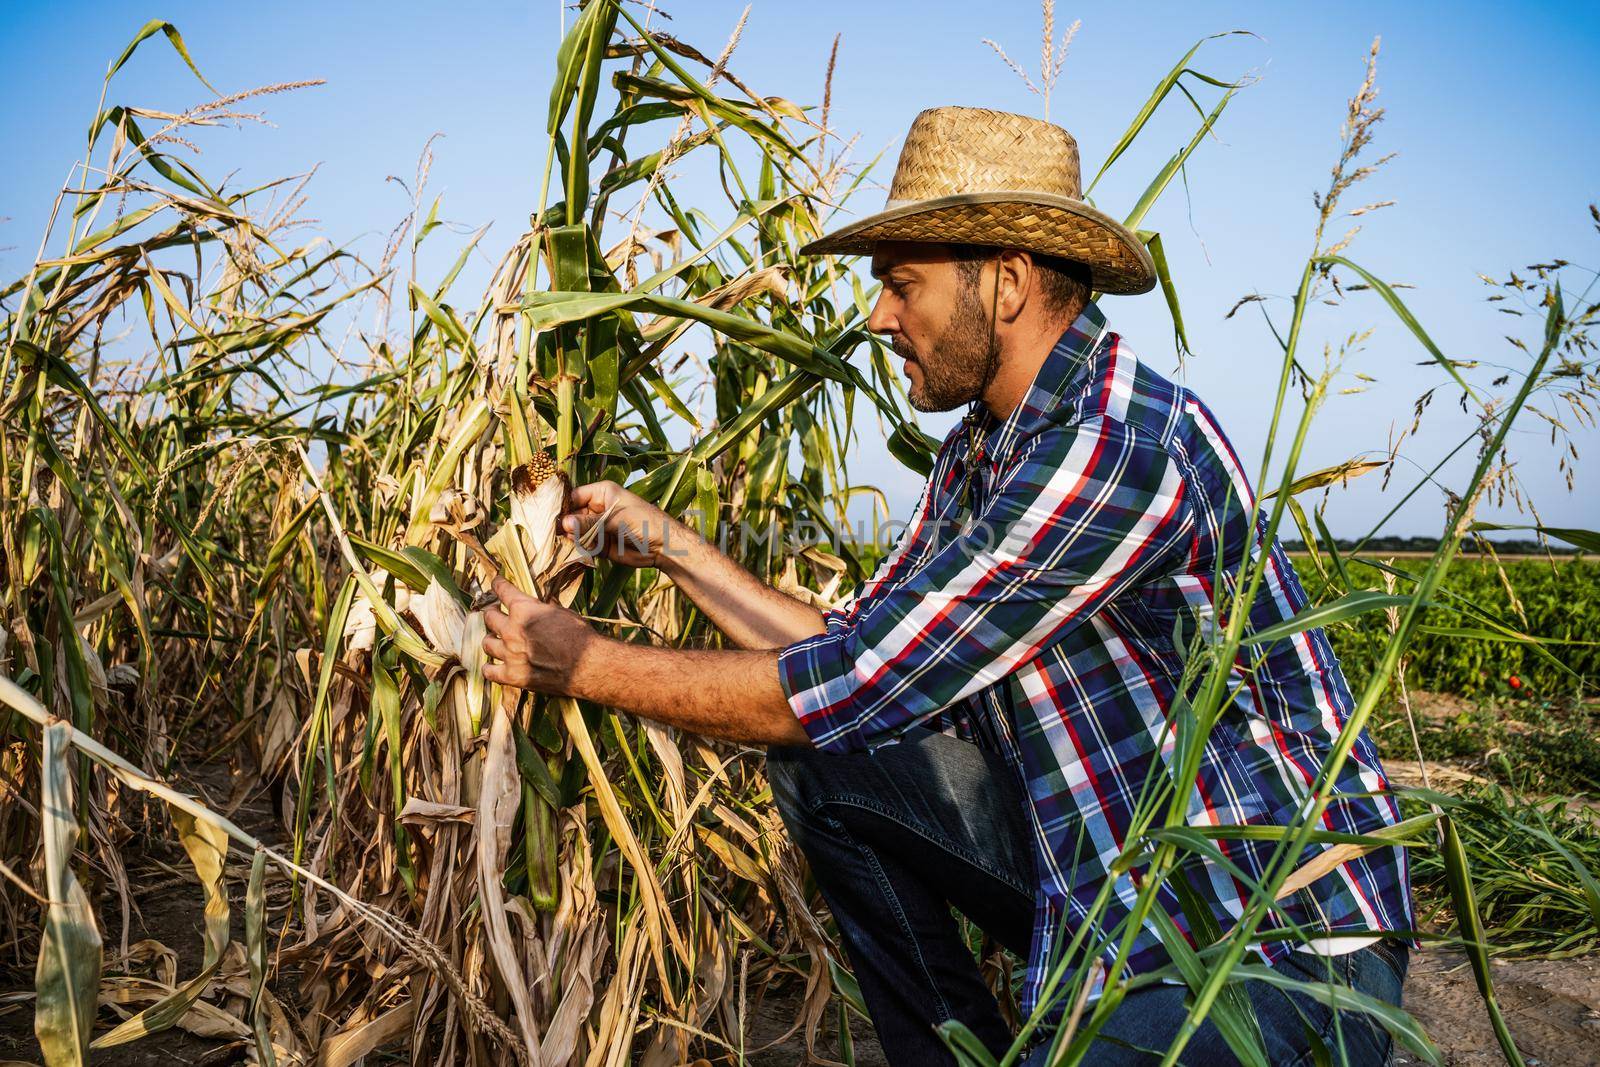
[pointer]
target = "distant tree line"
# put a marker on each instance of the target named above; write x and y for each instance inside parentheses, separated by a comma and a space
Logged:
(1510, 547)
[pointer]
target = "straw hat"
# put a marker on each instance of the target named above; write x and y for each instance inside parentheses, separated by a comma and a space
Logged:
(972, 176)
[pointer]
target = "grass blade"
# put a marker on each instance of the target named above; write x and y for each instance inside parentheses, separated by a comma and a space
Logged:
(1458, 876)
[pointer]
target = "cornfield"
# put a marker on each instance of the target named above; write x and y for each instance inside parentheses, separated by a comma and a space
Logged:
(254, 489)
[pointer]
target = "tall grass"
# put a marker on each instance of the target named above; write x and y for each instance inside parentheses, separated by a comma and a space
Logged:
(254, 485)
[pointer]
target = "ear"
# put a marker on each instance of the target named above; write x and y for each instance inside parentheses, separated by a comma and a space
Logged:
(1014, 277)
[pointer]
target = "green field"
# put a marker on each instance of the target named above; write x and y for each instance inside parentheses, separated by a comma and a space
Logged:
(1556, 601)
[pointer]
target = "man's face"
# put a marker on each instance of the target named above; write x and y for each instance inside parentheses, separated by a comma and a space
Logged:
(934, 315)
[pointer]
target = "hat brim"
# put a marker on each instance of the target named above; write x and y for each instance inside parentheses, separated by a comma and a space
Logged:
(1035, 222)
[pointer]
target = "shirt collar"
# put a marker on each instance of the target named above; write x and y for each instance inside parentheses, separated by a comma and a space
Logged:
(1062, 370)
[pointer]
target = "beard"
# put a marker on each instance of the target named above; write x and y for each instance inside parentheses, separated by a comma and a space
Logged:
(962, 361)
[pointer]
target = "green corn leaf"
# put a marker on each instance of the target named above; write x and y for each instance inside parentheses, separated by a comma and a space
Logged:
(413, 565)
(278, 556)
(320, 711)
(1231, 1013)
(1164, 177)
(556, 308)
(1162, 89)
(1403, 313)
(1332, 548)
(1588, 540)
(570, 56)
(255, 951)
(914, 448)
(444, 319)
(1406, 831)
(386, 713)
(174, 38)
(707, 502)
(62, 374)
(1169, 290)
(964, 1045)
(1307, 535)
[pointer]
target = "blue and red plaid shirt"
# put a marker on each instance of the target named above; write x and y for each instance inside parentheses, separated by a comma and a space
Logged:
(1035, 605)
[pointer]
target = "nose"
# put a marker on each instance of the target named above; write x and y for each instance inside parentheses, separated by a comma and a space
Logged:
(883, 320)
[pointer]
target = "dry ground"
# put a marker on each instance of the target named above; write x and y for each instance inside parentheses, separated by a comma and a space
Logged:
(1552, 1006)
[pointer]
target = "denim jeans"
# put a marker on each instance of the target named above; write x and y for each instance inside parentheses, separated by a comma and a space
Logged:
(897, 836)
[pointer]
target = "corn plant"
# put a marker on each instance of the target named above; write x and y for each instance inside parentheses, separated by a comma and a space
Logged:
(210, 534)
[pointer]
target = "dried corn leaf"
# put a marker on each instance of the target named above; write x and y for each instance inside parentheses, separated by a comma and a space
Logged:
(581, 939)
(68, 972)
(352, 1043)
(207, 846)
(500, 793)
(419, 812)
(657, 917)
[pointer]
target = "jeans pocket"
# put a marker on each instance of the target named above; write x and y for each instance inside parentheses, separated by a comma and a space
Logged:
(1395, 954)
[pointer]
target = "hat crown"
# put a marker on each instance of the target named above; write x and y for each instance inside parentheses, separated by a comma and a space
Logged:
(955, 150)
(971, 176)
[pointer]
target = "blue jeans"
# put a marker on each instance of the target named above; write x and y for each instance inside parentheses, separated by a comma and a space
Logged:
(897, 837)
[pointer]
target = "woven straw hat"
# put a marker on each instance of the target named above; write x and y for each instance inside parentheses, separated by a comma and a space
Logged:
(972, 176)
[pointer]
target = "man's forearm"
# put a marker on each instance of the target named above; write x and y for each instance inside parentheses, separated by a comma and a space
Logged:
(728, 694)
(751, 613)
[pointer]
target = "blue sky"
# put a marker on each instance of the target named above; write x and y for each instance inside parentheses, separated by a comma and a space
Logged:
(1490, 108)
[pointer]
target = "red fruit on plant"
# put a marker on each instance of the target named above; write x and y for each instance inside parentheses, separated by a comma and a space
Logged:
(1514, 682)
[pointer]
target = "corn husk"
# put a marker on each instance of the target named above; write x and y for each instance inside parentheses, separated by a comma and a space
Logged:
(361, 625)
(456, 509)
(538, 500)
(442, 618)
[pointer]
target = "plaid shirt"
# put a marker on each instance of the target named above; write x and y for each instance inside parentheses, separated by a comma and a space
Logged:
(1035, 606)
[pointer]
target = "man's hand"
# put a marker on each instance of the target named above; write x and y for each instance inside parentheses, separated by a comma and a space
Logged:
(632, 531)
(538, 645)
(605, 518)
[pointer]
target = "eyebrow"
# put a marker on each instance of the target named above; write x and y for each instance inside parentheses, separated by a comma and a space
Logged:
(879, 271)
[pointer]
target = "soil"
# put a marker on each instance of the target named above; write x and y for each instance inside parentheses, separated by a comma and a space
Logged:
(172, 918)
(1552, 1008)
(778, 1014)
(1439, 707)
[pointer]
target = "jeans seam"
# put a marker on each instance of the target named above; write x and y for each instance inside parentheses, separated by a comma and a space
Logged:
(888, 813)
(894, 901)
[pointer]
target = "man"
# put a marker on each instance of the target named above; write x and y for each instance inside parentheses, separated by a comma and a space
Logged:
(978, 725)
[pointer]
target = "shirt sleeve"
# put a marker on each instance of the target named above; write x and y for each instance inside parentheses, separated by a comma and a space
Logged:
(1085, 512)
